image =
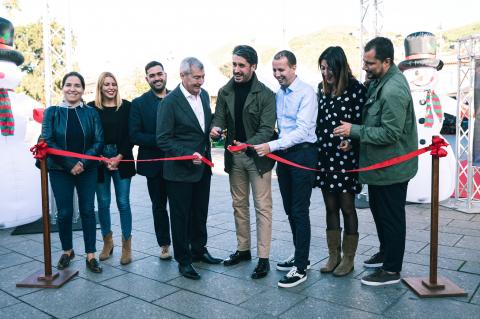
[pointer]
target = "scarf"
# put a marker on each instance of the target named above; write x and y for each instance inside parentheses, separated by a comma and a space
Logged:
(433, 102)
(7, 124)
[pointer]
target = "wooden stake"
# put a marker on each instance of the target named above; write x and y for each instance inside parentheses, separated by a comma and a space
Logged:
(433, 286)
(46, 278)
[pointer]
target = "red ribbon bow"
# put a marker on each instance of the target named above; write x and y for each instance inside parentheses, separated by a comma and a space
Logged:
(436, 147)
(39, 150)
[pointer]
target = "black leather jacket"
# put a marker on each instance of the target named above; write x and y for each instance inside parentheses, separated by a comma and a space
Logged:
(54, 129)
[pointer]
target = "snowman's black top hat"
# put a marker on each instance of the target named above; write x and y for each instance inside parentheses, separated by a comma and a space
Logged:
(420, 51)
(7, 52)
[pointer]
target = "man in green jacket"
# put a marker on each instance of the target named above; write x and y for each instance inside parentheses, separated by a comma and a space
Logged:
(246, 110)
(388, 130)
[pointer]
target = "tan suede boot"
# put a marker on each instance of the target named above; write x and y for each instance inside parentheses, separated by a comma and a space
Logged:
(349, 246)
(107, 249)
(126, 251)
(334, 238)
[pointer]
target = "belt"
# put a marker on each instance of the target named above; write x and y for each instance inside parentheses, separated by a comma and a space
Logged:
(297, 147)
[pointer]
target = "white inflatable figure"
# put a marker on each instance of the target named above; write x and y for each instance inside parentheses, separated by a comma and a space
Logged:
(421, 70)
(20, 197)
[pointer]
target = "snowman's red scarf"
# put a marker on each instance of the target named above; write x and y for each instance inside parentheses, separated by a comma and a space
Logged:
(432, 101)
(7, 124)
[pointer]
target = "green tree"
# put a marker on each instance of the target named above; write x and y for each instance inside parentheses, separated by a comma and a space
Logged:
(29, 41)
(138, 86)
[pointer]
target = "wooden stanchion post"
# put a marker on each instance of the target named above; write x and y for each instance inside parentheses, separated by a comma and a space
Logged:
(46, 278)
(433, 286)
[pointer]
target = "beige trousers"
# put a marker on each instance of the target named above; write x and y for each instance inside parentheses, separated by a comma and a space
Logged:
(243, 175)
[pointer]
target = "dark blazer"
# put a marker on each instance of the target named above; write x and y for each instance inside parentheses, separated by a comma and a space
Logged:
(179, 134)
(124, 146)
(142, 130)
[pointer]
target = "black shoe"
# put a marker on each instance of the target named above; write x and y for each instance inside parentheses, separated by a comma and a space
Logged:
(206, 258)
(375, 261)
(381, 278)
(288, 263)
(293, 278)
(93, 265)
(64, 261)
(237, 257)
(188, 271)
(262, 269)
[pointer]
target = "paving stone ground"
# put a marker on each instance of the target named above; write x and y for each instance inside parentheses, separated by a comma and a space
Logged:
(150, 288)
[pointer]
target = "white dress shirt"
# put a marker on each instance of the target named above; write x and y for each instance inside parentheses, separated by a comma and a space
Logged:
(196, 103)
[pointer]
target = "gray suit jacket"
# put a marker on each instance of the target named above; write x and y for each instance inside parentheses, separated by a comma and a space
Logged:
(179, 134)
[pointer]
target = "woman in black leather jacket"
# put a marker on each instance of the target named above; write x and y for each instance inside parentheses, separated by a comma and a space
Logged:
(74, 126)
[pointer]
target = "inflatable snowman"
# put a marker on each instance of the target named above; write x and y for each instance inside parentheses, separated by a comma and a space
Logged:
(421, 70)
(20, 195)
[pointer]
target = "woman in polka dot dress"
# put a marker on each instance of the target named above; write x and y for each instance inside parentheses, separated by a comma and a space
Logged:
(340, 97)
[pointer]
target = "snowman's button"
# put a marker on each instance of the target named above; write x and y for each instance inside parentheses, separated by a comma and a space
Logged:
(422, 141)
(422, 101)
(421, 120)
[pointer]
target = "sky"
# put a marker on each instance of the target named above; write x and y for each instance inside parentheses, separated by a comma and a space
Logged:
(124, 35)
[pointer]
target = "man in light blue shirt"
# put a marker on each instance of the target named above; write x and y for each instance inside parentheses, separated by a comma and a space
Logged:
(297, 110)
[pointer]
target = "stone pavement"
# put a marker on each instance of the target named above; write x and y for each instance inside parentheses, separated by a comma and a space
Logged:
(150, 288)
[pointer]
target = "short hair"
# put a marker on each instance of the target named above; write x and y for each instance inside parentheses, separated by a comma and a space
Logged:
(98, 94)
(151, 64)
(187, 64)
(337, 62)
(292, 60)
(383, 48)
(76, 74)
(246, 52)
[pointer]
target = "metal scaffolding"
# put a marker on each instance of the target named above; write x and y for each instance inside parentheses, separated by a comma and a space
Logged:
(371, 25)
(467, 188)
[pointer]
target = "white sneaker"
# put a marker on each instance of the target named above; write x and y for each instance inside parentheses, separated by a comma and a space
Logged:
(165, 253)
(292, 279)
(288, 263)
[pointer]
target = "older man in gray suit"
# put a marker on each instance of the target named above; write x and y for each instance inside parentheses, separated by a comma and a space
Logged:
(183, 126)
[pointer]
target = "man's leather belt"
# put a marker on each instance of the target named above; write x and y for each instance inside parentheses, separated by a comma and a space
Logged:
(297, 147)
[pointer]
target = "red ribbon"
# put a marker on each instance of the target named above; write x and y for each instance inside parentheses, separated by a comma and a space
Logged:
(41, 150)
(435, 150)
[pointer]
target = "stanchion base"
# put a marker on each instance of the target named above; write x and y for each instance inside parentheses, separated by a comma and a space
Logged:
(39, 280)
(444, 288)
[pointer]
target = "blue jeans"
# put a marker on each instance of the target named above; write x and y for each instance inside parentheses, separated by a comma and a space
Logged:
(296, 188)
(122, 193)
(63, 184)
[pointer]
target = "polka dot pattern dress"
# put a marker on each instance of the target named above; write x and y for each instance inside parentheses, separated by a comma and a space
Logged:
(333, 162)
